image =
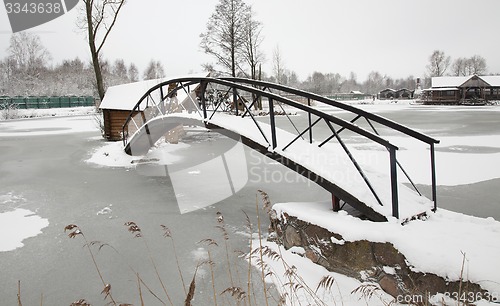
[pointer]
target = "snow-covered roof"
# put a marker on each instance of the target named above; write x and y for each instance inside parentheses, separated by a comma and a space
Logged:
(493, 80)
(126, 96)
(356, 92)
(448, 81)
(441, 89)
(457, 81)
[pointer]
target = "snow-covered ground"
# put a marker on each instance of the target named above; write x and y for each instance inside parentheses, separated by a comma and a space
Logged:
(437, 245)
(33, 122)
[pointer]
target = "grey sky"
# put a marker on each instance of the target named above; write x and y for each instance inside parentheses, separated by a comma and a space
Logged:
(393, 37)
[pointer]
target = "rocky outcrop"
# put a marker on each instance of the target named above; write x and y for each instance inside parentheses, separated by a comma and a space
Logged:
(364, 260)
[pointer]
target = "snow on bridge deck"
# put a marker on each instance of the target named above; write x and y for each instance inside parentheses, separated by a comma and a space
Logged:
(329, 162)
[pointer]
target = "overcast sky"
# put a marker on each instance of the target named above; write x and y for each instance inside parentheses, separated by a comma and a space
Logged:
(393, 37)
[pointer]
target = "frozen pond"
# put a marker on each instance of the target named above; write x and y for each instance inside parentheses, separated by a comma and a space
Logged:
(45, 176)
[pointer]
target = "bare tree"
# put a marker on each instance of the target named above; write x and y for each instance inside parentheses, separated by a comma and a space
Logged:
(154, 70)
(278, 65)
(476, 65)
(438, 63)
(27, 53)
(120, 69)
(251, 45)
(133, 73)
(459, 66)
(469, 66)
(98, 19)
(375, 83)
(226, 34)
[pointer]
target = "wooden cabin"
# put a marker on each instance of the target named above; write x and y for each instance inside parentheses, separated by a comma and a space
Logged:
(404, 93)
(387, 93)
(117, 104)
(465, 90)
(120, 100)
(390, 93)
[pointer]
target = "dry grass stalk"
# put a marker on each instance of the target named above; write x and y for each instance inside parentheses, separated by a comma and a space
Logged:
(19, 293)
(236, 292)
(249, 270)
(211, 242)
(106, 291)
(368, 290)
(260, 250)
(168, 234)
(461, 278)
(136, 230)
(140, 289)
(266, 201)
(192, 288)
(225, 235)
(74, 231)
(80, 302)
(295, 281)
(326, 282)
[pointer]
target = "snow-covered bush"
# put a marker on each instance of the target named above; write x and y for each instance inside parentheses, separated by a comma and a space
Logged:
(8, 111)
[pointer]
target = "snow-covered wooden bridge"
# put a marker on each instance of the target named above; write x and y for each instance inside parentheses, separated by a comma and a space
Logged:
(208, 102)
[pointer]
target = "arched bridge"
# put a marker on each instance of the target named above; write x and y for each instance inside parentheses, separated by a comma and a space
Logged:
(210, 102)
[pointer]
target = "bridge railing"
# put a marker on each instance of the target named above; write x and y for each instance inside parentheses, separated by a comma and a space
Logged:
(360, 113)
(160, 101)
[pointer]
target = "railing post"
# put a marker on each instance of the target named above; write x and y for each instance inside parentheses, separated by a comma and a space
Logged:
(335, 203)
(433, 176)
(310, 122)
(235, 101)
(273, 124)
(162, 101)
(203, 101)
(394, 183)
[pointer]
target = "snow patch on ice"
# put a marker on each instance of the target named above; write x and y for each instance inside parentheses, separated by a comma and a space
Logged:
(18, 224)
(452, 167)
(106, 210)
(200, 254)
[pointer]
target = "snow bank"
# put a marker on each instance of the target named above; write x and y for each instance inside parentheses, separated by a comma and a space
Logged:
(112, 154)
(436, 245)
(48, 126)
(307, 278)
(52, 112)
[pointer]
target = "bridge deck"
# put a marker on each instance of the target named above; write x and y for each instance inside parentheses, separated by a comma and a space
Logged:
(327, 165)
(331, 163)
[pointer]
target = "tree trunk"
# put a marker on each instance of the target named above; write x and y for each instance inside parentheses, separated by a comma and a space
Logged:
(93, 51)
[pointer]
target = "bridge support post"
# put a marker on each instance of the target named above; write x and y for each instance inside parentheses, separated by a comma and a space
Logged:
(273, 123)
(235, 100)
(335, 203)
(394, 183)
(309, 117)
(203, 101)
(433, 177)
